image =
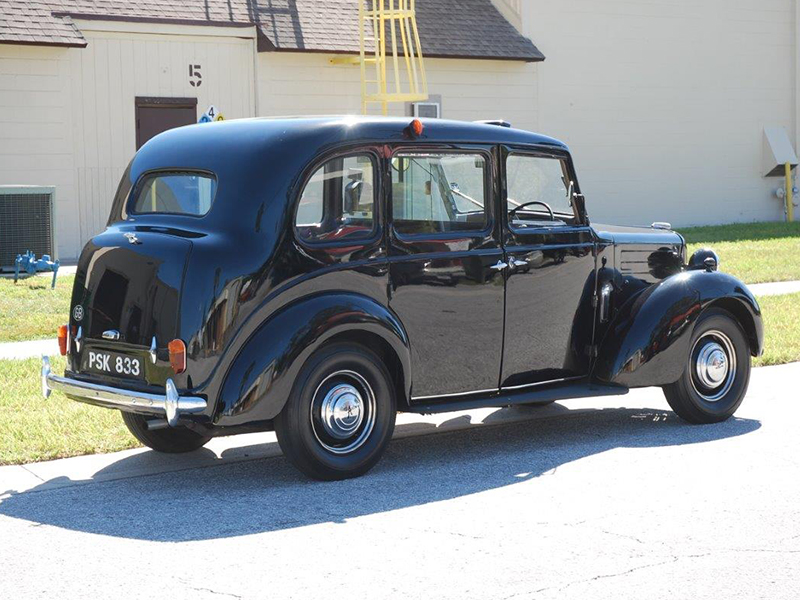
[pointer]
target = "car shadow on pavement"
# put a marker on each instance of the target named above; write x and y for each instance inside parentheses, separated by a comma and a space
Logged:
(263, 495)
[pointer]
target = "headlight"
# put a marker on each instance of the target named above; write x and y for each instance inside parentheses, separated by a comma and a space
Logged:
(705, 258)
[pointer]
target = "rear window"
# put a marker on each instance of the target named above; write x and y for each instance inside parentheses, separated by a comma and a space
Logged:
(183, 193)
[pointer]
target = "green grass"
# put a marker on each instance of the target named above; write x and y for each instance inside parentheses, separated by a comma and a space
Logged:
(30, 310)
(34, 429)
(753, 252)
(781, 329)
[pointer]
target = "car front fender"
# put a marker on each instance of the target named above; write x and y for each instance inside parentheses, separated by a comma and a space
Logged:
(648, 341)
(260, 379)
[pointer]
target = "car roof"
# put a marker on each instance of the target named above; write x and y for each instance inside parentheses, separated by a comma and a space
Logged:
(312, 133)
(268, 153)
(264, 159)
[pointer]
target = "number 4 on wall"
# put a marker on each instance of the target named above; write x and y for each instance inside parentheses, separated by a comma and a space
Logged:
(195, 78)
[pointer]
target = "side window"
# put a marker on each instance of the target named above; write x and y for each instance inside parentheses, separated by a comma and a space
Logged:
(438, 193)
(338, 202)
(536, 178)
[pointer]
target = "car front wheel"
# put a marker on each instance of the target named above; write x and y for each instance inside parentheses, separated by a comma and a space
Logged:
(717, 373)
(340, 415)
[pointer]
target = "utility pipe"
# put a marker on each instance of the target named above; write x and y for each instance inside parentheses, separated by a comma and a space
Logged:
(789, 195)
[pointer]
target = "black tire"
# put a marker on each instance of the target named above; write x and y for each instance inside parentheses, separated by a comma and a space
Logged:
(173, 440)
(704, 395)
(355, 382)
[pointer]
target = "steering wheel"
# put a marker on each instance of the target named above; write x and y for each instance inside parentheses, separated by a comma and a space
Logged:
(513, 212)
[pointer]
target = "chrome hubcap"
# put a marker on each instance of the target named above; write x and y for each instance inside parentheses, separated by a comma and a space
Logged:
(714, 365)
(343, 412)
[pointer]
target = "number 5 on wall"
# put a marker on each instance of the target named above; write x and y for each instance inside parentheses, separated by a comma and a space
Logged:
(195, 78)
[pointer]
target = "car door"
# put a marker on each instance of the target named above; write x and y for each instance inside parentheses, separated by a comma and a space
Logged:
(551, 275)
(446, 274)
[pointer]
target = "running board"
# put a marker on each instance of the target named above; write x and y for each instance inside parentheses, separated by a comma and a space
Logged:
(541, 395)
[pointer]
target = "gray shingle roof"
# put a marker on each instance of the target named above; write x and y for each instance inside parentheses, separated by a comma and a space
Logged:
(448, 28)
(32, 22)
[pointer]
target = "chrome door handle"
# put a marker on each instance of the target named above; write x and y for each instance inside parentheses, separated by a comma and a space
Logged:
(518, 263)
(499, 266)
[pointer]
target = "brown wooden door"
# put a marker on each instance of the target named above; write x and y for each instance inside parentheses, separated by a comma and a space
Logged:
(154, 115)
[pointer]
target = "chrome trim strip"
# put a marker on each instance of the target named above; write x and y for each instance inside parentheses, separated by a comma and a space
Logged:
(415, 398)
(170, 405)
(527, 385)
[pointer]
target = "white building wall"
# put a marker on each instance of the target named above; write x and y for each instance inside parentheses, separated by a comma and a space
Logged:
(36, 143)
(664, 102)
(308, 84)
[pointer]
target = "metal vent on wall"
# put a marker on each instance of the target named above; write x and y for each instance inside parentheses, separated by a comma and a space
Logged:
(26, 222)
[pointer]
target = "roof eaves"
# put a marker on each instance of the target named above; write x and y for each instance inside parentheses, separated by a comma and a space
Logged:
(529, 58)
(17, 42)
(133, 19)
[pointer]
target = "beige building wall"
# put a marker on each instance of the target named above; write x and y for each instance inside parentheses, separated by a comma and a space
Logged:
(36, 132)
(68, 115)
(120, 63)
(664, 103)
(309, 84)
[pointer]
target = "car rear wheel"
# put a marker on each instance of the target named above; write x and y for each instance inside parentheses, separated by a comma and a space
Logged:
(717, 373)
(172, 440)
(340, 415)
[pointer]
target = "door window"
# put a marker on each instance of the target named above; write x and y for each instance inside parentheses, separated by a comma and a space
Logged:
(438, 193)
(534, 179)
(338, 202)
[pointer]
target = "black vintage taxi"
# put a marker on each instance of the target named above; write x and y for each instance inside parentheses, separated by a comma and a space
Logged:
(317, 275)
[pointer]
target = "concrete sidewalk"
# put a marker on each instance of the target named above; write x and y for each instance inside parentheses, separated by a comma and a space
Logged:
(23, 350)
(140, 462)
(777, 288)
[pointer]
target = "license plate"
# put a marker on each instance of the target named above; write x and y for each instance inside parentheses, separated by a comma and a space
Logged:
(111, 363)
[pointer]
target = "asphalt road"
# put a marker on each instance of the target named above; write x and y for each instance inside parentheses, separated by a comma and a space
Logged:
(622, 501)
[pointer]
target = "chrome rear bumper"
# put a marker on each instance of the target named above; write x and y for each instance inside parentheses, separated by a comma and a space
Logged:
(170, 405)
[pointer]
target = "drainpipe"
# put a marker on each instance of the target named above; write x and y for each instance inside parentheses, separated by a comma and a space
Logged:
(789, 194)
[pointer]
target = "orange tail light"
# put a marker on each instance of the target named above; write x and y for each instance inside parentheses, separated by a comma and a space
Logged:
(177, 355)
(62, 339)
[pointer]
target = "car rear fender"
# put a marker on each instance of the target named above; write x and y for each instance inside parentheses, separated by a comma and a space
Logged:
(648, 341)
(260, 379)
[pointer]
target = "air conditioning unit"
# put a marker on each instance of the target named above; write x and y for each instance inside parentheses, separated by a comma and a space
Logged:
(27, 222)
(429, 110)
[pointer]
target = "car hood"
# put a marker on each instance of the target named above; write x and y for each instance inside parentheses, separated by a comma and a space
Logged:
(621, 235)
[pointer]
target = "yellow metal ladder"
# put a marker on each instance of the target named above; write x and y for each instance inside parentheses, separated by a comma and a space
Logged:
(406, 81)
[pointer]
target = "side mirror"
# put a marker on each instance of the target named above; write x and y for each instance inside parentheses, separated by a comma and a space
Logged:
(580, 206)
